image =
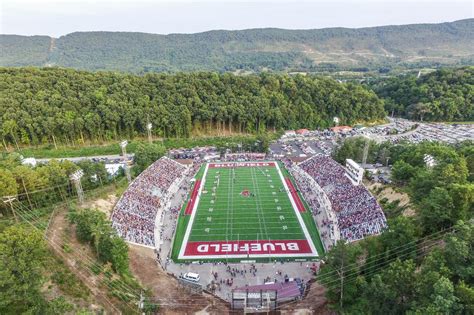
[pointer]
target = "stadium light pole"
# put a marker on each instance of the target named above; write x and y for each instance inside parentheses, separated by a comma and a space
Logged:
(123, 145)
(148, 127)
(76, 179)
(336, 123)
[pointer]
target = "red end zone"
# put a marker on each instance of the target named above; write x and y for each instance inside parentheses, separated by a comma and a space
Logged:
(241, 164)
(192, 200)
(261, 247)
(295, 195)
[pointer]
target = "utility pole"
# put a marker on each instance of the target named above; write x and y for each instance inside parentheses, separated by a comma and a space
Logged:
(123, 145)
(141, 303)
(336, 123)
(366, 152)
(9, 200)
(76, 179)
(341, 275)
(26, 191)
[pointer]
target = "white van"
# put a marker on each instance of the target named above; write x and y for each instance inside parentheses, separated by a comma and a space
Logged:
(191, 276)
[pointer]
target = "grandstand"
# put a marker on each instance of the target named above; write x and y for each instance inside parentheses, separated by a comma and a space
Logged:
(357, 212)
(236, 211)
(135, 213)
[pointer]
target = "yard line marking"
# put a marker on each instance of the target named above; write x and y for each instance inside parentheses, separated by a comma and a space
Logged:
(227, 212)
(231, 205)
(298, 213)
(259, 205)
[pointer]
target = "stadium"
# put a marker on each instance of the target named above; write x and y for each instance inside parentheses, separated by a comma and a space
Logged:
(232, 213)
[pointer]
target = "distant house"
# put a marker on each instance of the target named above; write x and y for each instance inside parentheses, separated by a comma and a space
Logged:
(302, 131)
(341, 129)
(29, 161)
(290, 133)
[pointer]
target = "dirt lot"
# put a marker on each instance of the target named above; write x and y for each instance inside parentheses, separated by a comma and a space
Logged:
(315, 302)
(105, 205)
(173, 300)
(59, 235)
(392, 195)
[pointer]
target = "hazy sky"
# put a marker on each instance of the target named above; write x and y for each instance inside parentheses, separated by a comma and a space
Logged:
(59, 17)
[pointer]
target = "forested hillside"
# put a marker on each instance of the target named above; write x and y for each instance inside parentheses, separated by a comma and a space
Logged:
(65, 105)
(24, 50)
(446, 95)
(423, 263)
(255, 49)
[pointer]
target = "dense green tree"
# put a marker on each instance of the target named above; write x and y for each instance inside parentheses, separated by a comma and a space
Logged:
(460, 252)
(422, 264)
(92, 227)
(402, 172)
(22, 254)
(89, 224)
(95, 174)
(392, 291)
(146, 154)
(8, 184)
(113, 249)
(67, 106)
(446, 95)
(465, 294)
(335, 275)
(436, 210)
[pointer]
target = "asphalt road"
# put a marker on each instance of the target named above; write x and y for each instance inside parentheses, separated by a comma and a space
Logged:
(97, 158)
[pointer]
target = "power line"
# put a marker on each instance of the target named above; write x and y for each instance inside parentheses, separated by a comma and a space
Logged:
(37, 191)
(397, 249)
(119, 285)
(351, 280)
(82, 255)
(59, 251)
(380, 266)
(370, 269)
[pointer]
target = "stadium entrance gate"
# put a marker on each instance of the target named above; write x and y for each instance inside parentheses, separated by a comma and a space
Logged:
(254, 302)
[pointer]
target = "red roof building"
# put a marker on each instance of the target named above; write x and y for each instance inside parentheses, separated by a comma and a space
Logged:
(302, 131)
(341, 128)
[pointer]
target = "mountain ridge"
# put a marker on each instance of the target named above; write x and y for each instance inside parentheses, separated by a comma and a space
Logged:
(260, 49)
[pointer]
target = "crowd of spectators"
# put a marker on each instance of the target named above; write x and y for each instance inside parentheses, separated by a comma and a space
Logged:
(193, 153)
(134, 214)
(319, 204)
(358, 213)
(244, 156)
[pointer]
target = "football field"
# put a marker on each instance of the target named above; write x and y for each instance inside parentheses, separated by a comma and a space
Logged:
(244, 211)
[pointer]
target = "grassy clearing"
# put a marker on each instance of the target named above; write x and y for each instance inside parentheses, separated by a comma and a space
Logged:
(113, 148)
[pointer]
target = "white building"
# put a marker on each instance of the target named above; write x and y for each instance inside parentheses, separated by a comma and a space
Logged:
(354, 171)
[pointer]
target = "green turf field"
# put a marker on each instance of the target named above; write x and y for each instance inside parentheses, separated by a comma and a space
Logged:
(227, 215)
(249, 203)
